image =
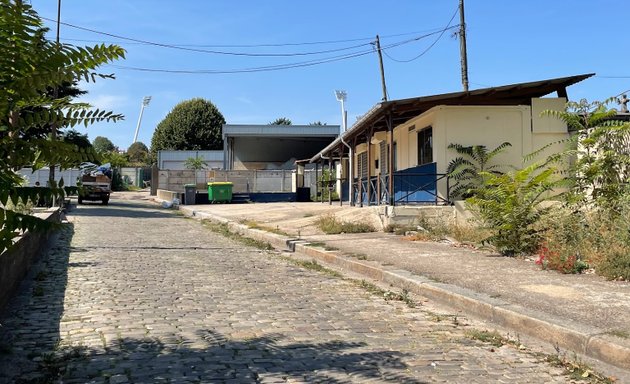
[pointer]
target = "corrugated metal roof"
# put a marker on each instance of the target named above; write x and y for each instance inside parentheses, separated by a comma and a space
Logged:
(280, 130)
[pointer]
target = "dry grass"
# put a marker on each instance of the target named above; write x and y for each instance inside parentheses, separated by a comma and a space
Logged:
(330, 225)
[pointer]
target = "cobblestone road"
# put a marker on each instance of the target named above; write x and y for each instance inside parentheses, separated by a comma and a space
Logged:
(131, 293)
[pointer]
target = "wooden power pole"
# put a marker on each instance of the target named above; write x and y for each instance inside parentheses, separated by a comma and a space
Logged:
(462, 45)
(380, 63)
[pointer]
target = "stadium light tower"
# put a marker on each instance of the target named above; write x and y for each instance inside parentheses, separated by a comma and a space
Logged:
(341, 97)
(145, 103)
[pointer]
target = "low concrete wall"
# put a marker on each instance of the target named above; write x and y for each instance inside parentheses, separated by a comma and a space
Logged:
(16, 262)
(164, 194)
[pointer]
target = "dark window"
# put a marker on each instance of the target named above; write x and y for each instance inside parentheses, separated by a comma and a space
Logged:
(425, 146)
(384, 158)
(363, 164)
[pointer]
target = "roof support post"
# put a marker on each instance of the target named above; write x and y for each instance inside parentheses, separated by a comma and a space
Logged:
(330, 178)
(341, 148)
(369, 166)
(354, 174)
(390, 154)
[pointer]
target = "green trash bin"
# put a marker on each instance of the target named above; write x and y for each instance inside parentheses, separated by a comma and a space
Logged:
(220, 192)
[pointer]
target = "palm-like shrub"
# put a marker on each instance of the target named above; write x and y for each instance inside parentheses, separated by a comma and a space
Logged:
(467, 168)
(509, 206)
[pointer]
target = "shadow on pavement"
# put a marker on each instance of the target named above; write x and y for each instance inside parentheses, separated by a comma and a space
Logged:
(121, 208)
(30, 323)
(253, 360)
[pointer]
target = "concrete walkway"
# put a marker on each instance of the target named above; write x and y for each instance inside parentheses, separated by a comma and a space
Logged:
(581, 313)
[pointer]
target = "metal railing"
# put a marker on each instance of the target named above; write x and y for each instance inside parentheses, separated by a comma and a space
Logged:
(409, 188)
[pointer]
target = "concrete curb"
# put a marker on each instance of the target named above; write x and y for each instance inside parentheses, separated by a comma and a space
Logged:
(578, 338)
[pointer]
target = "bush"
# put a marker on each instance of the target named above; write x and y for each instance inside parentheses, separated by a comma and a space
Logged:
(508, 206)
(576, 238)
(330, 225)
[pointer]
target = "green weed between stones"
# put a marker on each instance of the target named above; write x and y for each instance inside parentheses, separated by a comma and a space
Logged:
(222, 229)
(573, 367)
(255, 225)
(321, 244)
(385, 294)
(619, 333)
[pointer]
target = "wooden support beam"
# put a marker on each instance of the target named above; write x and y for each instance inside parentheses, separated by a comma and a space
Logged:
(390, 165)
(369, 166)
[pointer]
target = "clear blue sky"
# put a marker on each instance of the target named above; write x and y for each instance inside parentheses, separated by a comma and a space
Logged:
(508, 42)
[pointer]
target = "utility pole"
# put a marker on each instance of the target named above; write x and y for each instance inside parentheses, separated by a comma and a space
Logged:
(462, 46)
(380, 63)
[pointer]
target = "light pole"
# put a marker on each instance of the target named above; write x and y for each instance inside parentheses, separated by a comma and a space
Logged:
(145, 102)
(341, 97)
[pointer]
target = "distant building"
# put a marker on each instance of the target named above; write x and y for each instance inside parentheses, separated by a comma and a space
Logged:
(273, 147)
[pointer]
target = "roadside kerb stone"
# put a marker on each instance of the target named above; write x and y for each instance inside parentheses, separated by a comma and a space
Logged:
(578, 338)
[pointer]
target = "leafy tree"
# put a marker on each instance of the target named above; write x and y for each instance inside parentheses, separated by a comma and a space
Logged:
(467, 169)
(192, 125)
(317, 123)
(281, 121)
(103, 144)
(81, 140)
(29, 67)
(117, 160)
(195, 163)
(138, 153)
(598, 154)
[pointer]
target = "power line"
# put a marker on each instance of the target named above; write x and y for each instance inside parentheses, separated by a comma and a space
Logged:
(275, 67)
(448, 26)
(163, 45)
(613, 77)
(252, 45)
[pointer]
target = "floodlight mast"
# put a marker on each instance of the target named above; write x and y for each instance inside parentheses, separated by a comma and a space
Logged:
(341, 97)
(145, 103)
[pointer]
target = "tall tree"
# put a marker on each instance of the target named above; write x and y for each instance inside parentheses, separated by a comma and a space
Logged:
(81, 140)
(103, 145)
(138, 153)
(29, 67)
(281, 121)
(192, 125)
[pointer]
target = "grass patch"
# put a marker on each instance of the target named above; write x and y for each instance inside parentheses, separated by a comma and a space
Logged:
(223, 229)
(619, 333)
(321, 244)
(439, 317)
(493, 338)
(358, 256)
(330, 225)
(313, 266)
(41, 276)
(38, 291)
(255, 225)
(577, 370)
(386, 294)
